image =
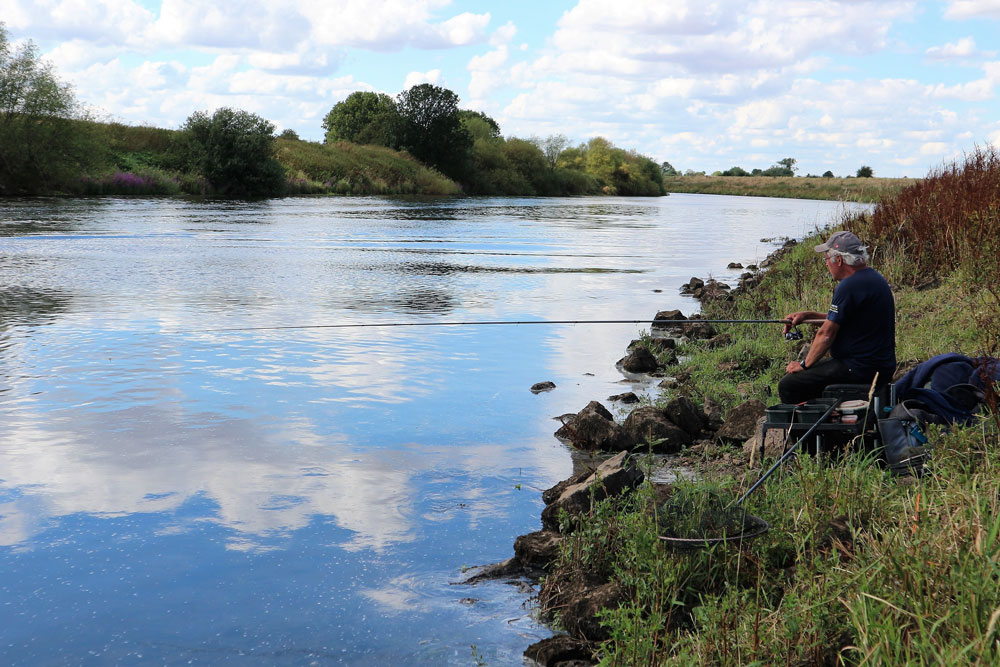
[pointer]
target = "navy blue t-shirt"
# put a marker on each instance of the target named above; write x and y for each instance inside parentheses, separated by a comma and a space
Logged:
(864, 309)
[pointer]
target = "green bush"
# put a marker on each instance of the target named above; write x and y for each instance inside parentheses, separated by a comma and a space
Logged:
(234, 151)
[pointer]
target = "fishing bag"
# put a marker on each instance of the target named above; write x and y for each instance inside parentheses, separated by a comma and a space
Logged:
(904, 438)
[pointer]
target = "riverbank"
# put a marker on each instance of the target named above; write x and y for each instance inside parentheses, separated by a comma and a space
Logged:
(860, 566)
(868, 190)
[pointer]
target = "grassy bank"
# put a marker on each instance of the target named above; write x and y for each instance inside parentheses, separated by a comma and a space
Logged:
(844, 189)
(140, 160)
(860, 566)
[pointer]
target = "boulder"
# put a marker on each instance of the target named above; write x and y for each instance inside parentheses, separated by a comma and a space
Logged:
(560, 651)
(741, 421)
(580, 615)
(593, 428)
(685, 414)
(539, 387)
(639, 360)
(713, 415)
(538, 550)
(628, 398)
(651, 424)
(694, 283)
(774, 443)
(617, 474)
(734, 265)
(719, 341)
(674, 320)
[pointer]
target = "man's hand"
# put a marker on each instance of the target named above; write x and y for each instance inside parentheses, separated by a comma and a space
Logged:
(793, 367)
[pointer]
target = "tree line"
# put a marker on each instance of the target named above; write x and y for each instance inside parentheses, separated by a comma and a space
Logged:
(49, 142)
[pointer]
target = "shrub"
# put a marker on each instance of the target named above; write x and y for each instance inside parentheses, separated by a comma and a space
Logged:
(234, 150)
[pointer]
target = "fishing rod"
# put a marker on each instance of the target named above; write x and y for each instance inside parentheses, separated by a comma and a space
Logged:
(364, 325)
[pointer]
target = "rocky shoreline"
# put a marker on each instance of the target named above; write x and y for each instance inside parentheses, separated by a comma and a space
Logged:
(679, 429)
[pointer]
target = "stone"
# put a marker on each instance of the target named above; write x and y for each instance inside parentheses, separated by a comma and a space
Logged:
(684, 413)
(560, 651)
(538, 550)
(539, 387)
(741, 421)
(580, 615)
(774, 443)
(639, 360)
(614, 476)
(650, 424)
(734, 265)
(511, 567)
(694, 283)
(719, 341)
(628, 398)
(713, 414)
(593, 428)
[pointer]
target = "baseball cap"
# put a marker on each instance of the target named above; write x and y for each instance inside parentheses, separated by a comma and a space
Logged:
(842, 241)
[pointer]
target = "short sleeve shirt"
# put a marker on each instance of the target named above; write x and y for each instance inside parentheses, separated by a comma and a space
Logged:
(865, 311)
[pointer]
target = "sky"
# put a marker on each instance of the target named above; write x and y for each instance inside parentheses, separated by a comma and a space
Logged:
(902, 86)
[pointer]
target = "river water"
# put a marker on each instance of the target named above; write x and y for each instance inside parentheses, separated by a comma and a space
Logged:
(189, 476)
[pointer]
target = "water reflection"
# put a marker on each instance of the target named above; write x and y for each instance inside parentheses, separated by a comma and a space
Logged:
(308, 488)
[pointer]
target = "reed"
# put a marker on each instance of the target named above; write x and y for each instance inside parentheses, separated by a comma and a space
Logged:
(842, 189)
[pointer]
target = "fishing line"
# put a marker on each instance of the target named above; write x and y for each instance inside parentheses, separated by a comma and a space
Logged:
(659, 324)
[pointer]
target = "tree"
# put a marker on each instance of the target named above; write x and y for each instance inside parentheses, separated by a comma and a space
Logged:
(362, 117)
(865, 172)
(432, 128)
(788, 163)
(827, 174)
(667, 169)
(234, 150)
(479, 125)
(552, 147)
(289, 133)
(736, 171)
(39, 146)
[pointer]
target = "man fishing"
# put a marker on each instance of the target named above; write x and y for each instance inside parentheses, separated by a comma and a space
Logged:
(859, 331)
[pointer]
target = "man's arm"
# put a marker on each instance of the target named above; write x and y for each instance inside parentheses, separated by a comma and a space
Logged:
(821, 343)
(798, 318)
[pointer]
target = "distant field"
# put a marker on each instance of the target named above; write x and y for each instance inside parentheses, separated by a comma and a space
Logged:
(846, 189)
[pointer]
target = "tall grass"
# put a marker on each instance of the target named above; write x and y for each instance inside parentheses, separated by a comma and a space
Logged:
(860, 567)
(843, 189)
(346, 168)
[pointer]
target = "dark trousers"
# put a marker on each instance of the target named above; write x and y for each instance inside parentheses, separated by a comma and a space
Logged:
(810, 383)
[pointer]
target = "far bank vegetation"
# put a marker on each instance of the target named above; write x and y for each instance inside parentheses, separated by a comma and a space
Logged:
(419, 142)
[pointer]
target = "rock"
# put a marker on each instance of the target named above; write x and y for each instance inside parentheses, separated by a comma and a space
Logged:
(719, 341)
(560, 651)
(674, 320)
(539, 387)
(713, 414)
(774, 443)
(628, 398)
(580, 615)
(593, 428)
(639, 360)
(685, 414)
(694, 283)
(656, 345)
(552, 494)
(734, 265)
(539, 549)
(752, 267)
(611, 478)
(741, 421)
(511, 567)
(650, 424)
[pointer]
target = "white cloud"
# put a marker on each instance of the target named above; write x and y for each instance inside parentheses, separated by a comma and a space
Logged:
(503, 34)
(968, 9)
(963, 48)
(416, 78)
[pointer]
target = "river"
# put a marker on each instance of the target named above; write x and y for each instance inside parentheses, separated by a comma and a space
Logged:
(196, 469)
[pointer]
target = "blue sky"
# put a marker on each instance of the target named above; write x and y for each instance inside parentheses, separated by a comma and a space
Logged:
(901, 86)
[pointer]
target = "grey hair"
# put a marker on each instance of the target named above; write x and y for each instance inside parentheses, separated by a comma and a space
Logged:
(850, 258)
